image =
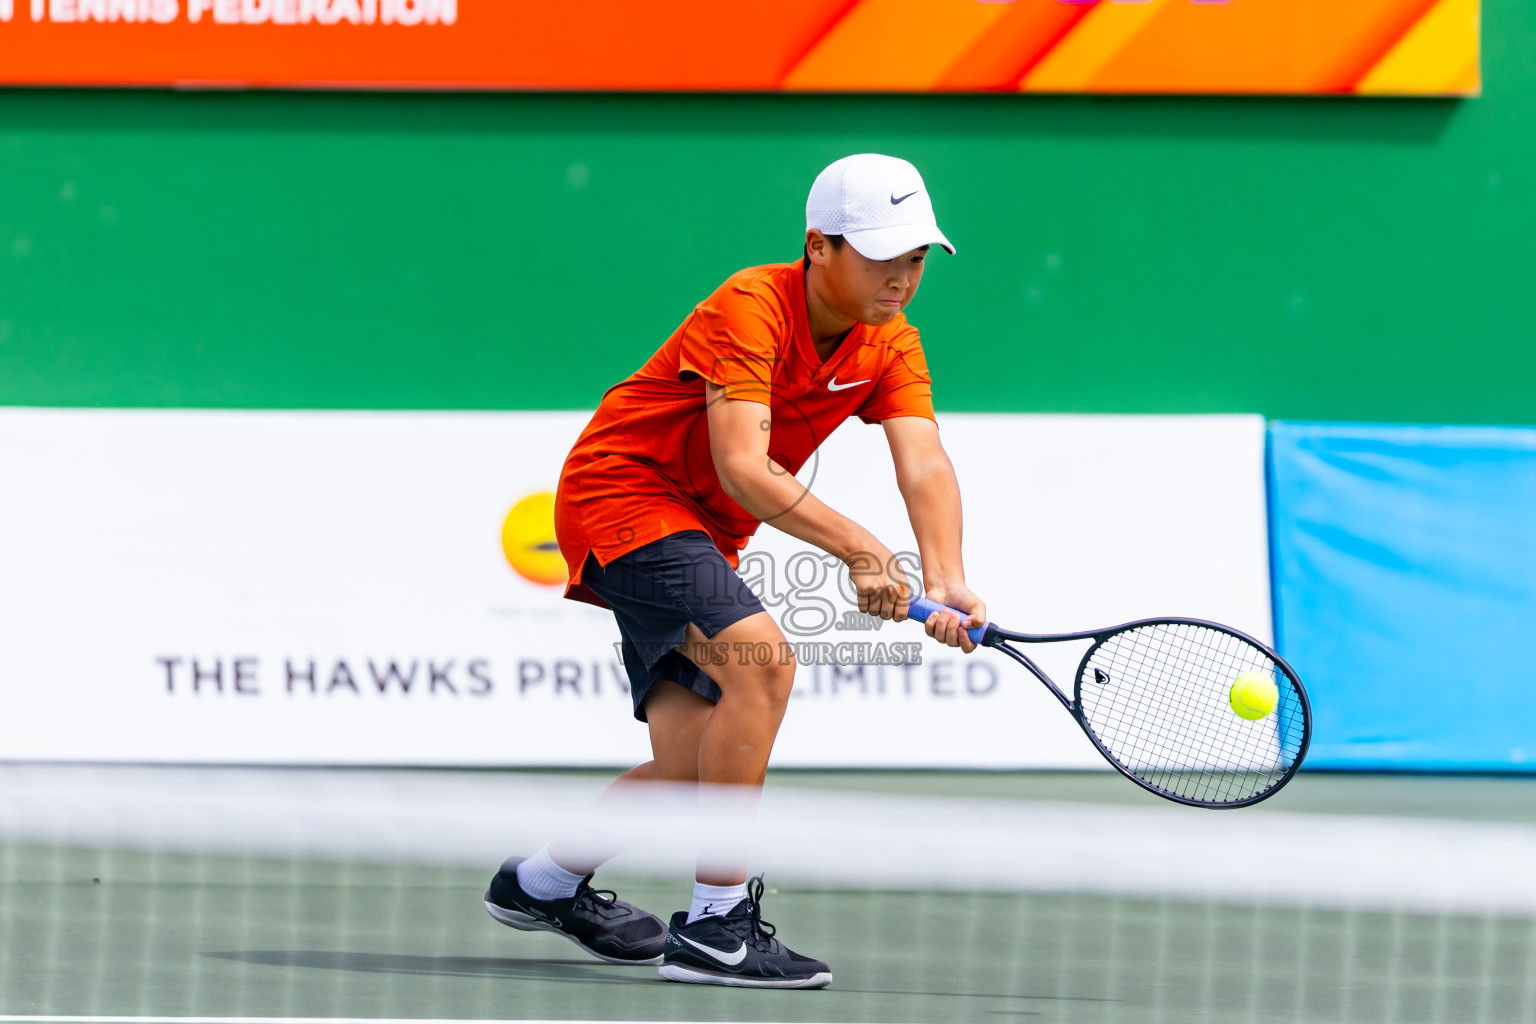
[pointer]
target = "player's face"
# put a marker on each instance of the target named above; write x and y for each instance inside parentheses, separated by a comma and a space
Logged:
(871, 291)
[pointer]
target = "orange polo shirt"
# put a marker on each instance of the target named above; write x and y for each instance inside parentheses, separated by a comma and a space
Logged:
(642, 469)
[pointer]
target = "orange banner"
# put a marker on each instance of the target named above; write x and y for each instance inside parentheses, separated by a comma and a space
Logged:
(1397, 47)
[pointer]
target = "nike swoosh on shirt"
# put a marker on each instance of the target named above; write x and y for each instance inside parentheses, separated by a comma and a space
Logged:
(729, 959)
(833, 385)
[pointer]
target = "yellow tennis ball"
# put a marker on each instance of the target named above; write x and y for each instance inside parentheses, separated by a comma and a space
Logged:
(528, 540)
(1254, 695)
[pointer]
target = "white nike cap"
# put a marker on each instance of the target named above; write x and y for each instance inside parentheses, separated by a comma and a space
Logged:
(876, 202)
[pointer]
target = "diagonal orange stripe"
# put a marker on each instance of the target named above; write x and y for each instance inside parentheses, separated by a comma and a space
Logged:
(1274, 46)
(1433, 56)
(834, 14)
(1073, 63)
(903, 45)
(1012, 46)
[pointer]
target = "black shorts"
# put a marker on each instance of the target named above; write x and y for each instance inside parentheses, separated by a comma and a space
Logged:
(655, 591)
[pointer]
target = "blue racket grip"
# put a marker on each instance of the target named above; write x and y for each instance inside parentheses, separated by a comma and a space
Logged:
(921, 608)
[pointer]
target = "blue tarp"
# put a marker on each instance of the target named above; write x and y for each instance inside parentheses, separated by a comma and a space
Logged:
(1404, 568)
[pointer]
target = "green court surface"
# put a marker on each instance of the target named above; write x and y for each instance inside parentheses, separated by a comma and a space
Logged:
(99, 933)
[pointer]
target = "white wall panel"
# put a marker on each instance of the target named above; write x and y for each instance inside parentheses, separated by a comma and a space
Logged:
(252, 543)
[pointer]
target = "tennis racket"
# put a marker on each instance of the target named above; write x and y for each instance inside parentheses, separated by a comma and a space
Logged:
(1155, 697)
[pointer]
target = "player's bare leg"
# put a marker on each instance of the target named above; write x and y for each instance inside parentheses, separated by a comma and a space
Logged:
(722, 939)
(754, 698)
(738, 735)
(676, 717)
(581, 858)
(605, 927)
(551, 892)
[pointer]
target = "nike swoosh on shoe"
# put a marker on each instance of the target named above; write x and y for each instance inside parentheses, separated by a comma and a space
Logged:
(541, 915)
(729, 959)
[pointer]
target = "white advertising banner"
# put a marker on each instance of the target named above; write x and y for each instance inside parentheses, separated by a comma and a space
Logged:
(377, 588)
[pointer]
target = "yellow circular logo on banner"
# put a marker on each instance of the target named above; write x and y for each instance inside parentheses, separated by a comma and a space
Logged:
(528, 540)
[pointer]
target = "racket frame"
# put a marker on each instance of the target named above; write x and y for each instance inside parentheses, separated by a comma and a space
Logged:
(997, 638)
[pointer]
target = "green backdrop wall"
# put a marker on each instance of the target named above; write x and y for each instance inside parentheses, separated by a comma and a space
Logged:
(1321, 258)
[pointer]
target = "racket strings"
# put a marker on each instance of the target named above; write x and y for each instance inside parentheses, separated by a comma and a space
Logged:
(1163, 712)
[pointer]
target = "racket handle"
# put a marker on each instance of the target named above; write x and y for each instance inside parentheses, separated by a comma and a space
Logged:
(921, 608)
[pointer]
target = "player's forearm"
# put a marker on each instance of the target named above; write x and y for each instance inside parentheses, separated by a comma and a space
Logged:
(932, 495)
(781, 501)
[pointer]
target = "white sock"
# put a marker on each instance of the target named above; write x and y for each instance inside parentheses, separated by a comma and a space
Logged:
(715, 900)
(543, 879)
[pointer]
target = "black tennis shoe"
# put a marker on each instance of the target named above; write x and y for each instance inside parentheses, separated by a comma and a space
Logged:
(738, 949)
(595, 919)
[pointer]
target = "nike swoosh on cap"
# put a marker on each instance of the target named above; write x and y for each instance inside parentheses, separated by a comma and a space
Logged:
(833, 385)
(729, 959)
(909, 195)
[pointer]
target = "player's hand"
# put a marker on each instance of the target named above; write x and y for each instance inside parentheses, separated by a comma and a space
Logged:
(882, 587)
(949, 628)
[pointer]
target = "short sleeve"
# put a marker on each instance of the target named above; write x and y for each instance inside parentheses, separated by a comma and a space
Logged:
(904, 387)
(733, 340)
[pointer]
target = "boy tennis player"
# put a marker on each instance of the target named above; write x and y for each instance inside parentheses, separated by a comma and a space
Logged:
(665, 486)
